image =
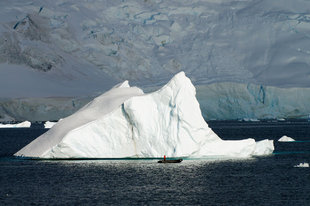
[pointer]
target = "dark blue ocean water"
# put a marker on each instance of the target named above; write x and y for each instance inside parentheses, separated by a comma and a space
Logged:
(271, 180)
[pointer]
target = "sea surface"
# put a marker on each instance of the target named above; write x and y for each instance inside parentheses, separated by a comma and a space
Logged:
(271, 180)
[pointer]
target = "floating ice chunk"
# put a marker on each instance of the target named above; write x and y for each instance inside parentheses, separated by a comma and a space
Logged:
(125, 122)
(19, 125)
(286, 139)
(48, 124)
(305, 164)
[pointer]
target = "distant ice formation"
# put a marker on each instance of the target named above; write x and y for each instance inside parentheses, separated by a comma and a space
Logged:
(305, 164)
(18, 125)
(286, 139)
(48, 124)
(250, 102)
(125, 122)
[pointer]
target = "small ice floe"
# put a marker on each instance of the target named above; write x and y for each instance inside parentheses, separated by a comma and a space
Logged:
(286, 139)
(48, 124)
(305, 164)
(18, 125)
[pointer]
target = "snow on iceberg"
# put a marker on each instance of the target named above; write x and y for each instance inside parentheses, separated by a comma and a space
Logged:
(286, 139)
(125, 122)
(18, 125)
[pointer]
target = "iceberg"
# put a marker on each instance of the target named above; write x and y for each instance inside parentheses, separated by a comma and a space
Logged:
(305, 164)
(286, 139)
(126, 122)
(18, 125)
(49, 124)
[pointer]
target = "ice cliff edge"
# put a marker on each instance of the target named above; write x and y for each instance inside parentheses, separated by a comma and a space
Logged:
(125, 122)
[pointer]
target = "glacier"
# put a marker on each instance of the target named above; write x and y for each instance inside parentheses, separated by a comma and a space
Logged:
(218, 101)
(77, 49)
(230, 100)
(126, 122)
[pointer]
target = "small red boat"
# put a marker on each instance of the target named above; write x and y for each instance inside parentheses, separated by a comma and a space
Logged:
(170, 161)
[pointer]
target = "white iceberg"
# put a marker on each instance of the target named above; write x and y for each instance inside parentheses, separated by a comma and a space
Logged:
(125, 122)
(286, 139)
(49, 124)
(24, 124)
(305, 164)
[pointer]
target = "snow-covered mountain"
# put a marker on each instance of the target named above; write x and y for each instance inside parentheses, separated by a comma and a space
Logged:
(73, 49)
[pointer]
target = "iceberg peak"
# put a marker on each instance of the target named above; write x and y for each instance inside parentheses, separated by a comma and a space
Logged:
(179, 77)
(124, 84)
(178, 81)
(125, 122)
